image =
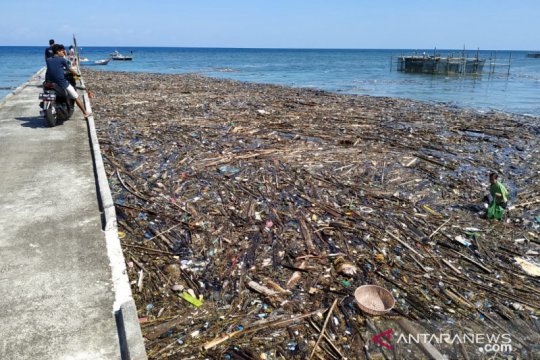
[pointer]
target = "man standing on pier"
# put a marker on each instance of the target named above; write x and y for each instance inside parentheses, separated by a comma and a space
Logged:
(56, 66)
(49, 51)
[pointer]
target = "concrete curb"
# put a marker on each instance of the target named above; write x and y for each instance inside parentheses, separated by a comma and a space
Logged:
(124, 309)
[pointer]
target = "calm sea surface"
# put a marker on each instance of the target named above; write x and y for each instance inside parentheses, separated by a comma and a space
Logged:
(366, 72)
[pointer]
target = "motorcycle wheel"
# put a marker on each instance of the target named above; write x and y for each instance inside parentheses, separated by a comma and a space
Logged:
(51, 117)
(61, 113)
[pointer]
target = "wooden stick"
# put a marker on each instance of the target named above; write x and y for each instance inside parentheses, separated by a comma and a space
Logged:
(140, 281)
(221, 339)
(451, 266)
(472, 261)
(461, 346)
(426, 347)
(175, 204)
(525, 203)
(127, 188)
(165, 231)
(411, 163)
(296, 276)
(164, 327)
(312, 323)
(323, 328)
(425, 158)
(276, 287)
(418, 263)
(149, 249)
(439, 228)
(267, 324)
(261, 289)
(405, 244)
(518, 339)
(306, 234)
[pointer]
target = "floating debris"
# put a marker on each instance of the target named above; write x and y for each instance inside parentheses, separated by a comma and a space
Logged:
(274, 217)
(374, 299)
(529, 266)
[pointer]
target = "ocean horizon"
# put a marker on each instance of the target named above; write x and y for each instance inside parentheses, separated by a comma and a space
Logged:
(348, 71)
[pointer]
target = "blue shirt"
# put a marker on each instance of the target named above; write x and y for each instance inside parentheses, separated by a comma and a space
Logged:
(49, 52)
(56, 66)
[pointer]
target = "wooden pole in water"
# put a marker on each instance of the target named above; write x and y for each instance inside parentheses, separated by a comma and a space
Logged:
(463, 60)
(477, 60)
(509, 61)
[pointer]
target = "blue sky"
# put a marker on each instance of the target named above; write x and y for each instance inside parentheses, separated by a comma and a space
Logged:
(361, 24)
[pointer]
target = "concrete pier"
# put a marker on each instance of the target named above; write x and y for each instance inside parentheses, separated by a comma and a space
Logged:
(59, 293)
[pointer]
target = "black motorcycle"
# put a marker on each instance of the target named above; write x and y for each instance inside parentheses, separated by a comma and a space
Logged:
(56, 104)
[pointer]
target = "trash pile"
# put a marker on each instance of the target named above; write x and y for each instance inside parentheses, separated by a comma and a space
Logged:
(250, 213)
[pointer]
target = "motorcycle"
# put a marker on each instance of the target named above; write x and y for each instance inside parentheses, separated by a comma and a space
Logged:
(56, 104)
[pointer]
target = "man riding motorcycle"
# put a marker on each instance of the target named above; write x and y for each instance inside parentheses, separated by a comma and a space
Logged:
(56, 66)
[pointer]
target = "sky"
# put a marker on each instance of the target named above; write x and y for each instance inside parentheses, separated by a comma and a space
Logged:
(356, 24)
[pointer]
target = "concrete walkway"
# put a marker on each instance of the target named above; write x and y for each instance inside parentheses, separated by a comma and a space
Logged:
(56, 288)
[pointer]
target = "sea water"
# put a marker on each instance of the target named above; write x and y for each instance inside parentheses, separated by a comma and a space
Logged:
(363, 72)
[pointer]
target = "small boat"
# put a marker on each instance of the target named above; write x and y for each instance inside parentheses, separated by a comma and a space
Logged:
(96, 62)
(534, 55)
(115, 55)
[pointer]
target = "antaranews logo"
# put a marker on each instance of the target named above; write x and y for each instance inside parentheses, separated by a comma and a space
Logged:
(385, 334)
(486, 342)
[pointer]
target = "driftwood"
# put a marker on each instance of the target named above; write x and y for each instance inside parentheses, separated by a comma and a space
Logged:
(426, 347)
(262, 289)
(269, 201)
(323, 328)
(268, 324)
(296, 276)
(405, 244)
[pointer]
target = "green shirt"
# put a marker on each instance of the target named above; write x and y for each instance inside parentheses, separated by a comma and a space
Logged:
(498, 188)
